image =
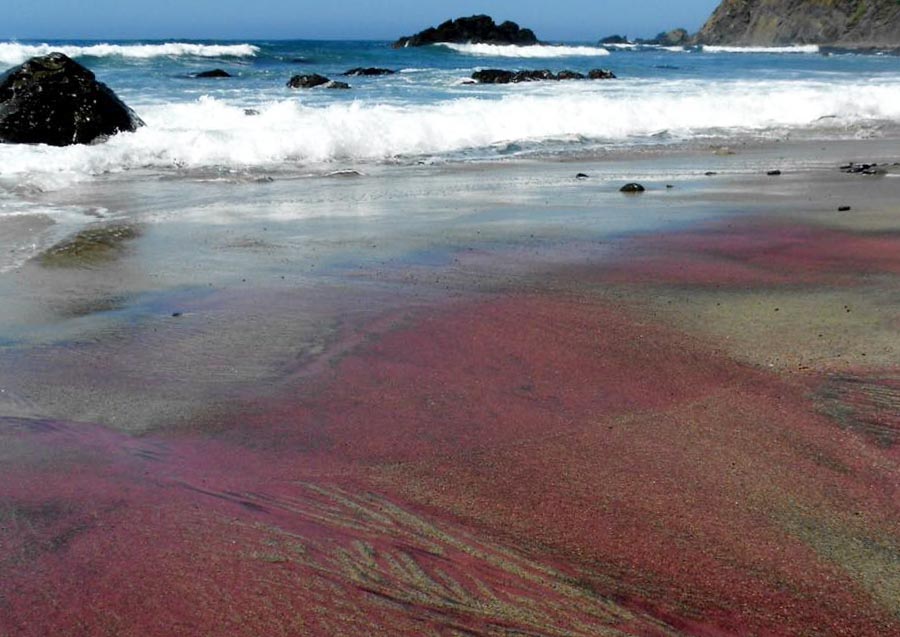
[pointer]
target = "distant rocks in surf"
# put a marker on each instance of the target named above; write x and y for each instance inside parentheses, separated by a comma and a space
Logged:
(864, 169)
(632, 188)
(500, 76)
(56, 101)
(476, 29)
(675, 37)
(614, 39)
(214, 73)
(367, 72)
(307, 80)
(601, 74)
(313, 80)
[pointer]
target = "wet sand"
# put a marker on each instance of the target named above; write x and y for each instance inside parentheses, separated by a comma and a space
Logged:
(539, 407)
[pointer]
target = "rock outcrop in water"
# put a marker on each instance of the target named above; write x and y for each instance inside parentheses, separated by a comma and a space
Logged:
(312, 80)
(367, 72)
(614, 39)
(213, 74)
(476, 29)
(54, 100)
(858, 23)
(500, 76)
(309, 80)
(675, 37)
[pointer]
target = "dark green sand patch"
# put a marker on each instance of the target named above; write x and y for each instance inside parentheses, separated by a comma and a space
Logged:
(866, 403)
(90, 247)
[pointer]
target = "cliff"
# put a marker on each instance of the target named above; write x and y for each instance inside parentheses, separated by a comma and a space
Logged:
(858, 23)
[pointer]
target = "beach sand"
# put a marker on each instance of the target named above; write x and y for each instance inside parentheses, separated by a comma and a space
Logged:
(469, 400)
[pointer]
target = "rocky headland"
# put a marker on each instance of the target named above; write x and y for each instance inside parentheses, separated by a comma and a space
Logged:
(851, 23)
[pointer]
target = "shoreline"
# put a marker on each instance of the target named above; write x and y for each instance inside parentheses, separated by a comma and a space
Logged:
(526, 402)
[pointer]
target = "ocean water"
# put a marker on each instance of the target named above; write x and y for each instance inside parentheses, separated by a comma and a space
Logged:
(252, 127)
(427, 111)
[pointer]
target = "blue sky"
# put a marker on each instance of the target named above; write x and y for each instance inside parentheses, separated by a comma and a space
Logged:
(341, 19)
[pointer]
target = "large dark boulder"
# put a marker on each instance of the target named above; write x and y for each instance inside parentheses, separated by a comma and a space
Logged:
(476, 29)
(310, 80)
(54, 100)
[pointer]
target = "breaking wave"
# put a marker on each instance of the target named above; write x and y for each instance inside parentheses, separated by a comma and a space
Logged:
(12, 53)
(804, 48)
(536, 51)
(287, 133)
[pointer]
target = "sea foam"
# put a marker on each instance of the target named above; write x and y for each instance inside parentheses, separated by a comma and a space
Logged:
(800, 48)
(535, 51)
(288, 134)
(12, 53)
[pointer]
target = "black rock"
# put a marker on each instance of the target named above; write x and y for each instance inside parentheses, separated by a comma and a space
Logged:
(710, 173)
(581, 176)
(632, 188)
(338, 85)
(493, 76)
(601, 74)
(615, 39)
(367, 71)
(864, 169)
(499, 76)
(773, 173)
(307, 81)
(844, 208)
(54, 100)
(478, 29)
(534, 76)
(212, 74)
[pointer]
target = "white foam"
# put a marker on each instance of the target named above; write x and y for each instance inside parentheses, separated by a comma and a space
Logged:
(536, 51)
(288, 134)
(12, 53)
(804, 48)
(628, 46)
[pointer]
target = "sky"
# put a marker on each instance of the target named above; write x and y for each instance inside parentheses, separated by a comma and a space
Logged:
(581, 20)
